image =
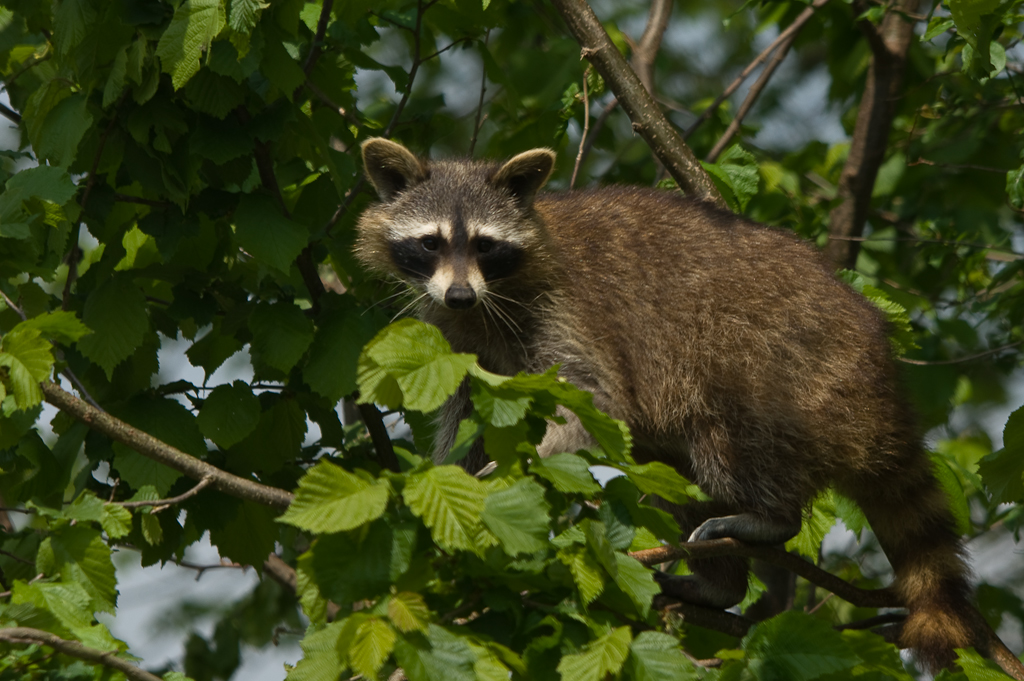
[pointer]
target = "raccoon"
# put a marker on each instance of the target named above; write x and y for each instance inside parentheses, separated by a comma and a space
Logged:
(729, 348)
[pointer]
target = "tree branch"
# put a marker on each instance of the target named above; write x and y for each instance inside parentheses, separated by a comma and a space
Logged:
(76, 649)
(752, 95)
(10, 114)
(709, 618)
(790, 31)
(374, 422)
(884, 86)
(152, 448)
(647, 118)
(160, 504)
(864, 598)
(650, 42)
(318, 39)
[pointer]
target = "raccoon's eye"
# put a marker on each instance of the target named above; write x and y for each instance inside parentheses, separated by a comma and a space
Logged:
(484, 245)
(429, 243)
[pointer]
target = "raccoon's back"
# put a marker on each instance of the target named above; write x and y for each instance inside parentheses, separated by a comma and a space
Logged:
(684, 311)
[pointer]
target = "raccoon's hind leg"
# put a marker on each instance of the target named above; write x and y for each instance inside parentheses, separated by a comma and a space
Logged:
(721, 582)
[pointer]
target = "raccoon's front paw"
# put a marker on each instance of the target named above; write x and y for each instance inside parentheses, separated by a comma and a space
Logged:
(715, 528)
(749, 528)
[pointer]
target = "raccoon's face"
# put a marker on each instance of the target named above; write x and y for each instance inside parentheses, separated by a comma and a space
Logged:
(453, 229)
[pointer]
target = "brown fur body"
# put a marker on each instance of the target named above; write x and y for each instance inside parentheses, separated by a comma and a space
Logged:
(729, 349)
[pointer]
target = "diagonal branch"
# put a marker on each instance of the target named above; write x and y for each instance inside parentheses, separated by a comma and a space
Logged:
(752, 95)
(864, 598)
(107, 658)
(650, 42)
(889, 44)
(790, 31)
(152, 448)
(648, 121)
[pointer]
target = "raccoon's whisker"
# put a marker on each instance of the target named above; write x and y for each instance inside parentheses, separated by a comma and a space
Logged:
(506, 298)
(510, 322)
(411, 305)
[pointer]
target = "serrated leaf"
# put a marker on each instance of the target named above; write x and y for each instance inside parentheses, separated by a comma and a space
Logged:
(28, 359)
(408, 612)
(49, 183)
(797, 647)
(115, 81)
(86, 507)
(322, 657)
(61, 326)
(977, 668)
(166, 420)
(67, 601)
(814, 528)
(950, 484)
(72, 20)
(1003, 470)
(654, 656)
(569, 473)
(151, 530)
(280, 334)
(636, 581)
(65, 125)
(658, 478)
(599, 658)
(330, 499)
(410, 363)
(228, 414)
(441, 655)
(245, 14)
(249, 536)
(518, 517)
(585, 571)
(372, 645)
(192, 29)
(267, 235)
(449, 501)
(116, 312)
(500, 407)
(116, 521)
(79, 555)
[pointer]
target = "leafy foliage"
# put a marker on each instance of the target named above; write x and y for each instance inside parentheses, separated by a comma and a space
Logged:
(187, 171)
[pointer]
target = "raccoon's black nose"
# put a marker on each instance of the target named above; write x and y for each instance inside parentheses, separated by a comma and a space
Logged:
(460, 297)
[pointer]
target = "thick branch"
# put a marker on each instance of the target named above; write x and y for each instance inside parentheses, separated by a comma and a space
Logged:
(884, 86)
(864, 598)
(374, 423)
(152, 448)
(76, 649)
(663, 139)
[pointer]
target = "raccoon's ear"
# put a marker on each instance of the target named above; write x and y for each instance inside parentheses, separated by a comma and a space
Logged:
(390, 167)
(525, 174)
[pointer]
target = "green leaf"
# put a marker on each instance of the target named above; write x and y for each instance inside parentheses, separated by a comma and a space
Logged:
(636, 581)
(599, 658)
(116, 312)
(192, 29)
(440, 656)
(267, 235)
(245, 14)
(249, 537)
(68, 602)
(116, 521)
(342, 331)
(115, 81)
(585, 571)
(814, 528)
(654, 656)
(28, 359)
(79, 555)
(499, 407)
(410, 363)
(63, 129)
(950, 484)
(372, 645)
(330, 499)
(229, 414)
(166, 420)
(518, 517)
(796, 647)
(658, 478)
(450, 502)
(72, 20)
(1015, 187)
(936, 27)
(408, 612)
(280, 334)
(86, 507)
(60, 326)
(977, 668)
(568, 473)
(322, 657)
(49, 183)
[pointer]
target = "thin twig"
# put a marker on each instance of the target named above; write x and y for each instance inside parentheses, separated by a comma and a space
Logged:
(752, 95)
(13, 556)
(959, 360)
(374, 423)
(318, 39)
(865, 598)
(955, 166)
(646, 50)
(598, 124)
(342, 111)
(10, 304)
(125, 198)
(160, 504)
(10, 113)
(35, 61)
(790, 30)
(107, 658)
(478, 121)
(647, 119)
(586, 128)
(154, 449)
